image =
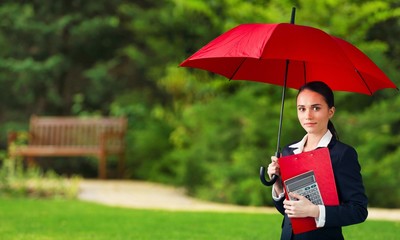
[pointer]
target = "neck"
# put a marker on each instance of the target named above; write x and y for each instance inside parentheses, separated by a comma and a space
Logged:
(312, 141)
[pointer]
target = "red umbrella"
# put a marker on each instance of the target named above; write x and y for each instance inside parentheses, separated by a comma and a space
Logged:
(289, 55)
(258, 52)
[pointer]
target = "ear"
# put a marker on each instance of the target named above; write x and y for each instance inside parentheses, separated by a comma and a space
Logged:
(332, 112)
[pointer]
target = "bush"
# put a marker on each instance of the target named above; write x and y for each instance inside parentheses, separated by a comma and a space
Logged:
(32, 182)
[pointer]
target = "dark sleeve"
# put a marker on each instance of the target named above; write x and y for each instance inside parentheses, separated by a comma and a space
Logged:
(353, 202)
(279, 206)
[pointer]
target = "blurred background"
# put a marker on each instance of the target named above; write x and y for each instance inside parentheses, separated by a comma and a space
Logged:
(188, 127)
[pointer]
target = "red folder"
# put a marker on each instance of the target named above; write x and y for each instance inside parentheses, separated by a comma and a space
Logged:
(320, 162)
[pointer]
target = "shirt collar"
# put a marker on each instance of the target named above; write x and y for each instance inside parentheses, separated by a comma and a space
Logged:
(299, 147)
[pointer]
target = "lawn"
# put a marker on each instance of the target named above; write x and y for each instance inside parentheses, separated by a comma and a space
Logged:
(72, 219)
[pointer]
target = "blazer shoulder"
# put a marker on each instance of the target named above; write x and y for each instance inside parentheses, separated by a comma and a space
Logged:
(287, 150)
(343, 153)
(336, 145)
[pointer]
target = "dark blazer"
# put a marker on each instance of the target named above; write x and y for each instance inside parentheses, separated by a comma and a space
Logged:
(353, 202)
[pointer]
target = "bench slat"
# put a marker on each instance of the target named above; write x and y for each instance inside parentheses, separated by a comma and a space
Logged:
(47, 151)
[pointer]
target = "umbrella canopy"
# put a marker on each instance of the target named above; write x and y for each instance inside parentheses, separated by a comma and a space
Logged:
(258, 52)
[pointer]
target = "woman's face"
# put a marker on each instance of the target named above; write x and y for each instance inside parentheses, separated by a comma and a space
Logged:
(313, 112)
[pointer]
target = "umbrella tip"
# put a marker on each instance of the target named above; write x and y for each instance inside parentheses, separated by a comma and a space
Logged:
(292, 18)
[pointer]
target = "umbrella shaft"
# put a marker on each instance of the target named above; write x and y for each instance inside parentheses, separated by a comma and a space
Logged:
(282, 108)
(277, 153)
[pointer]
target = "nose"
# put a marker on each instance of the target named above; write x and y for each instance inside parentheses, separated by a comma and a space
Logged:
(308, 115)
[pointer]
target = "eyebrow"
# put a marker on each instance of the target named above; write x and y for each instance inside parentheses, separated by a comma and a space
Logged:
(312, 105)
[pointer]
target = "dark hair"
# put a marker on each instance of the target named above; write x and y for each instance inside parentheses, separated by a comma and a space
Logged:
(323, 89)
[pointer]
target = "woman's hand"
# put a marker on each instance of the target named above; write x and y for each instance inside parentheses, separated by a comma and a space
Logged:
(274, 169)
(300, 208)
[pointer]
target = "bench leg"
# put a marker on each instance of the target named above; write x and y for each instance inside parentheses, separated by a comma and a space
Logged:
(121, 165)
(30, 162)
(102, 166)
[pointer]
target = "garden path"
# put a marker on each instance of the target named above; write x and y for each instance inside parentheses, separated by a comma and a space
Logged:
(147, 195)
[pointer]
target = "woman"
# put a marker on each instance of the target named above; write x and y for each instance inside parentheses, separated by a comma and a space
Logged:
(315, 108)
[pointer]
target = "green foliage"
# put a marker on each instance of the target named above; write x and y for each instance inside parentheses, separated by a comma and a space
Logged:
(212, 135)
(59, 49)
(377, 141)
(222, 132)
(17, 181)
(191, 127)
(222, 142)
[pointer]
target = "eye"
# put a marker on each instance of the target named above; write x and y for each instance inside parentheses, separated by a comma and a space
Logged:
(316, 108)
(301, 109)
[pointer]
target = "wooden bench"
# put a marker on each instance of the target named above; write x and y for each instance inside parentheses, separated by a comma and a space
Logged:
(73, 136)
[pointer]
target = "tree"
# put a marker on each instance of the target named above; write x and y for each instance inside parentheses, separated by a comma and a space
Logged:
(188, 127)
(210, 141)
(55, 50)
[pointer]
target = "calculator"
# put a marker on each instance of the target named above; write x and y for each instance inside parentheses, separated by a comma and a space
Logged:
(305, 185)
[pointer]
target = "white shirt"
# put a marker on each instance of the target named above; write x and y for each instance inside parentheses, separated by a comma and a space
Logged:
(299, 147)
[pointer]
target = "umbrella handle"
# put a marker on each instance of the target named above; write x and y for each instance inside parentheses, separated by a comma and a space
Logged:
(265, 181)
(273, 177)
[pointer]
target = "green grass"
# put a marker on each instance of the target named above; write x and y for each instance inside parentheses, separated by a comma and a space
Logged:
(70, 219)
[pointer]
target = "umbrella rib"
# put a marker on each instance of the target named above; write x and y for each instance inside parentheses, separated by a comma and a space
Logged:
(237, 69)
(366, 85)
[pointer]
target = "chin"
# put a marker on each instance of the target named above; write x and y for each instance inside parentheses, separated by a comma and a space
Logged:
(310, 130)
